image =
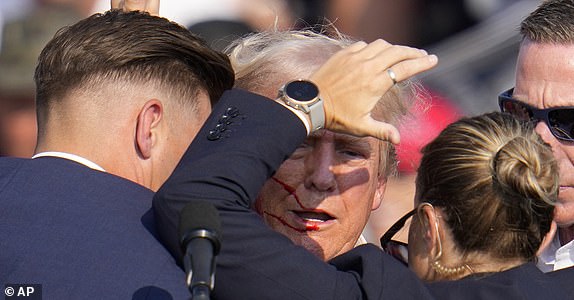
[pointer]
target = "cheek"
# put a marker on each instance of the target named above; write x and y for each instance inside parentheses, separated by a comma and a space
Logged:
(291, 172)
(266, 200)
(568, 151)
(363, 178)
(359, 188)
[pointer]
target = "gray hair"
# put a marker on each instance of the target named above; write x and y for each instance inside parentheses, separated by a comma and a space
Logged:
(262, 61)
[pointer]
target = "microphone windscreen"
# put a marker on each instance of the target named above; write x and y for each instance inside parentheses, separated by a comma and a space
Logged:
(199, 215)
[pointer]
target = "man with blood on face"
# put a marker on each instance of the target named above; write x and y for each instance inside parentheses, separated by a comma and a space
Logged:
(322, 196)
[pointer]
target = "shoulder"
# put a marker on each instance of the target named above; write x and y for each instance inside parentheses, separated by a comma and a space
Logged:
(522, 282)
(381, 276)
(564, 278)
(9, 166)
(82, 233)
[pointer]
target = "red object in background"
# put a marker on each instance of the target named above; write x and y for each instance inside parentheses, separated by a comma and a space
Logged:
(424, 124)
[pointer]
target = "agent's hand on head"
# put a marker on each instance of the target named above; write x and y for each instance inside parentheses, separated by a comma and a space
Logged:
(150, 6)
(354, 79)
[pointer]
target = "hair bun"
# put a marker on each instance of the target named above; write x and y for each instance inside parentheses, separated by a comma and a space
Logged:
(519, 168)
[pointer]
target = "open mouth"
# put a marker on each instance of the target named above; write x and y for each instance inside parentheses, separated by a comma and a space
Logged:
(311, 216)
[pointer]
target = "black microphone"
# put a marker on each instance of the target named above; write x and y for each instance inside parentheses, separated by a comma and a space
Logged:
(199, 231)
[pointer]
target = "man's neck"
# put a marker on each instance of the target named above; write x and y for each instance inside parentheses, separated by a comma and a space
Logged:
(566, 234)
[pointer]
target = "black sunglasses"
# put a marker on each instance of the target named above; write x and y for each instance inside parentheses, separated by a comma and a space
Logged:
(560, 120)
(396, 249)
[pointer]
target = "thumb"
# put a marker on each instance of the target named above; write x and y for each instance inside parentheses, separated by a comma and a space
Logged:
(380, 130)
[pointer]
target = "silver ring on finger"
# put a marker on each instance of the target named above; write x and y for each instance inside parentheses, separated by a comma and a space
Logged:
(392, 75)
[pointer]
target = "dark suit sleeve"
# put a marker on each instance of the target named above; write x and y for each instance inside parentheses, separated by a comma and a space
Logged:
(227, 164)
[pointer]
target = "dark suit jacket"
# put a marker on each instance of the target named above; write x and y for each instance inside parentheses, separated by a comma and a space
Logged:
(227, 166)
(81, 233)
(565, 278)
(523, 282)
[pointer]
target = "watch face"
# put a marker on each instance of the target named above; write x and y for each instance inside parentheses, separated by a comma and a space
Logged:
(302, 90)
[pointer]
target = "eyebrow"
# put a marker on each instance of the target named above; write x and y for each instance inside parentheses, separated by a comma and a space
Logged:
(341, 138)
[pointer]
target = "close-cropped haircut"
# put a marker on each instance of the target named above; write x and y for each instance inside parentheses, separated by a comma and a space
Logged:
(551, 22)
(262, 61)
(134, 47)
(497, 182)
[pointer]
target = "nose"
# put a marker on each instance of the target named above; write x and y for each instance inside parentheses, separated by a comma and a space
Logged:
(319, 166)
(543, 130)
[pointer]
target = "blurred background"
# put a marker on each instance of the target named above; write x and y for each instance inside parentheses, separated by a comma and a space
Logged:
(476, 42)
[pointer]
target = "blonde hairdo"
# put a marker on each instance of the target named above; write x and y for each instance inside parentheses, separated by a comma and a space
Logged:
(262, 61)
(497, 182)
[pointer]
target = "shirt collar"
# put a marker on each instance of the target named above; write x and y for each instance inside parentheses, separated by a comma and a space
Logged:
(84, 161)
(555, 256)
(361, 241)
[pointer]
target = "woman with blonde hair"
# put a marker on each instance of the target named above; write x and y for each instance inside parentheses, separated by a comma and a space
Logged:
(485, 194)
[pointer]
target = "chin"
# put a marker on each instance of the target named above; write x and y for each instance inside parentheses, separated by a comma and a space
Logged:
(314, 248)
(564, 214)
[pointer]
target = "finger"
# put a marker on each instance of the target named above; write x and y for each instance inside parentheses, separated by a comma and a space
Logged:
(381, 130)
(150, 6)
(117, 4)
(357, 46)
(409, 68)
(153, 7)
(375, 48)
(395, 54)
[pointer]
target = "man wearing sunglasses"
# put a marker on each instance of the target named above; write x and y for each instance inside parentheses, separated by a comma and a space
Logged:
(544, 94)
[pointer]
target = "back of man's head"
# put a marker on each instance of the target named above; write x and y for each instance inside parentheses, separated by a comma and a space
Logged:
(127, 91)
(129, 47)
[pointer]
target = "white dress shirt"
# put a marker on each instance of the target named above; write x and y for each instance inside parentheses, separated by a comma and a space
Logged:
(556, 257)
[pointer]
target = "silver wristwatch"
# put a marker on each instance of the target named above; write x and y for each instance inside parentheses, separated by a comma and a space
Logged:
(303, 95)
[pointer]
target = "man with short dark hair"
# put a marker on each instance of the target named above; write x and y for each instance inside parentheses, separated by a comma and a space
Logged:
(120, 95)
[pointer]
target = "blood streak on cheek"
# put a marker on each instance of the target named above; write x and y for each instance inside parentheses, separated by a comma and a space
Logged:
(285, 223)
(291, 190)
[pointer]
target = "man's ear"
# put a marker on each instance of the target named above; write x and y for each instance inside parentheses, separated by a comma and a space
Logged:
(379, 193)
(148, 120)
(547, 240)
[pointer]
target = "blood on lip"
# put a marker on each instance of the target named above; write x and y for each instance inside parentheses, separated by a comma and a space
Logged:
(312, 227)
(308, 227)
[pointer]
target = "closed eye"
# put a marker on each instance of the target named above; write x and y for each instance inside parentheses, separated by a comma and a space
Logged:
(301, 151)
(351, 154)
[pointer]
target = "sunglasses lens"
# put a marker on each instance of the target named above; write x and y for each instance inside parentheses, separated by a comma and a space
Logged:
(562, 123)
(398, 250)
(517, 109)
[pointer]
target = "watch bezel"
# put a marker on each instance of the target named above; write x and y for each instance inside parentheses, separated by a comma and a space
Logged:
(297, 103)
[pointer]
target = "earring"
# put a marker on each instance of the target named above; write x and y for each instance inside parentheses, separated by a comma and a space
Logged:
(435, 264)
